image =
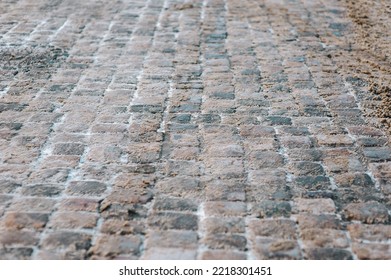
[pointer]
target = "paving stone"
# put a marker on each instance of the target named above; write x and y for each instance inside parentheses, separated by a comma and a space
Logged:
(43, 190)
(328, 254)
(296, 142)
(270, 208)
(180, 186)
(314, 206)
(111, 246)
(20, 220)
(32, 204)
(7, 186)
(222, 255)
(79, 204)
(172, 239)
(66, 240)
(169, 130)
(89, 188)
(349, 180)
(169, 254)
(265, 159)
(368, 212)
(122, 227)
(72, 220)
(307, 168)
(283, 228)
(174, 204)
(170, 220)
(313, 182)
(229, 189)
(373, 233)
(372, 251)
(15, 253)
(185, 153)
(377, 154)
(324, 238)
(69, 149)
(19, 238)
(225, 241)
(221, 208)
(318, 221)
(190, 168)
(224, 225)
(267, 248)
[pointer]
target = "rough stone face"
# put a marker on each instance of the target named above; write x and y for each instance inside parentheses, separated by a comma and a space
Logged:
(109, 246)
(266, 248)
(328, 254)
(222, 255)
(372, 251)
(314, 206)
(369, 212)
(370, 232)
(35, 221)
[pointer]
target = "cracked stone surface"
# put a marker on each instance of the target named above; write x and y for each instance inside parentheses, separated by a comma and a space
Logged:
(214, 129)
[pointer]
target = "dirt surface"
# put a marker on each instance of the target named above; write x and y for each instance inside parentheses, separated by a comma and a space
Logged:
(371, 52)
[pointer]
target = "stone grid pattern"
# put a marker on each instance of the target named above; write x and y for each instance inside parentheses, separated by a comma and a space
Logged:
(215, 129)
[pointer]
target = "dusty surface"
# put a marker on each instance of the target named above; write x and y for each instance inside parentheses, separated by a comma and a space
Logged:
(370, 53)
(252, 129)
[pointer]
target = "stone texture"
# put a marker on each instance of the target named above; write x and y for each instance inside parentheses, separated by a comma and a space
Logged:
(369, 212)
(185, 130)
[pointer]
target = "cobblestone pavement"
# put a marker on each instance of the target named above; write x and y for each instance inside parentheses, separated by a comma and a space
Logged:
(216, 129)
